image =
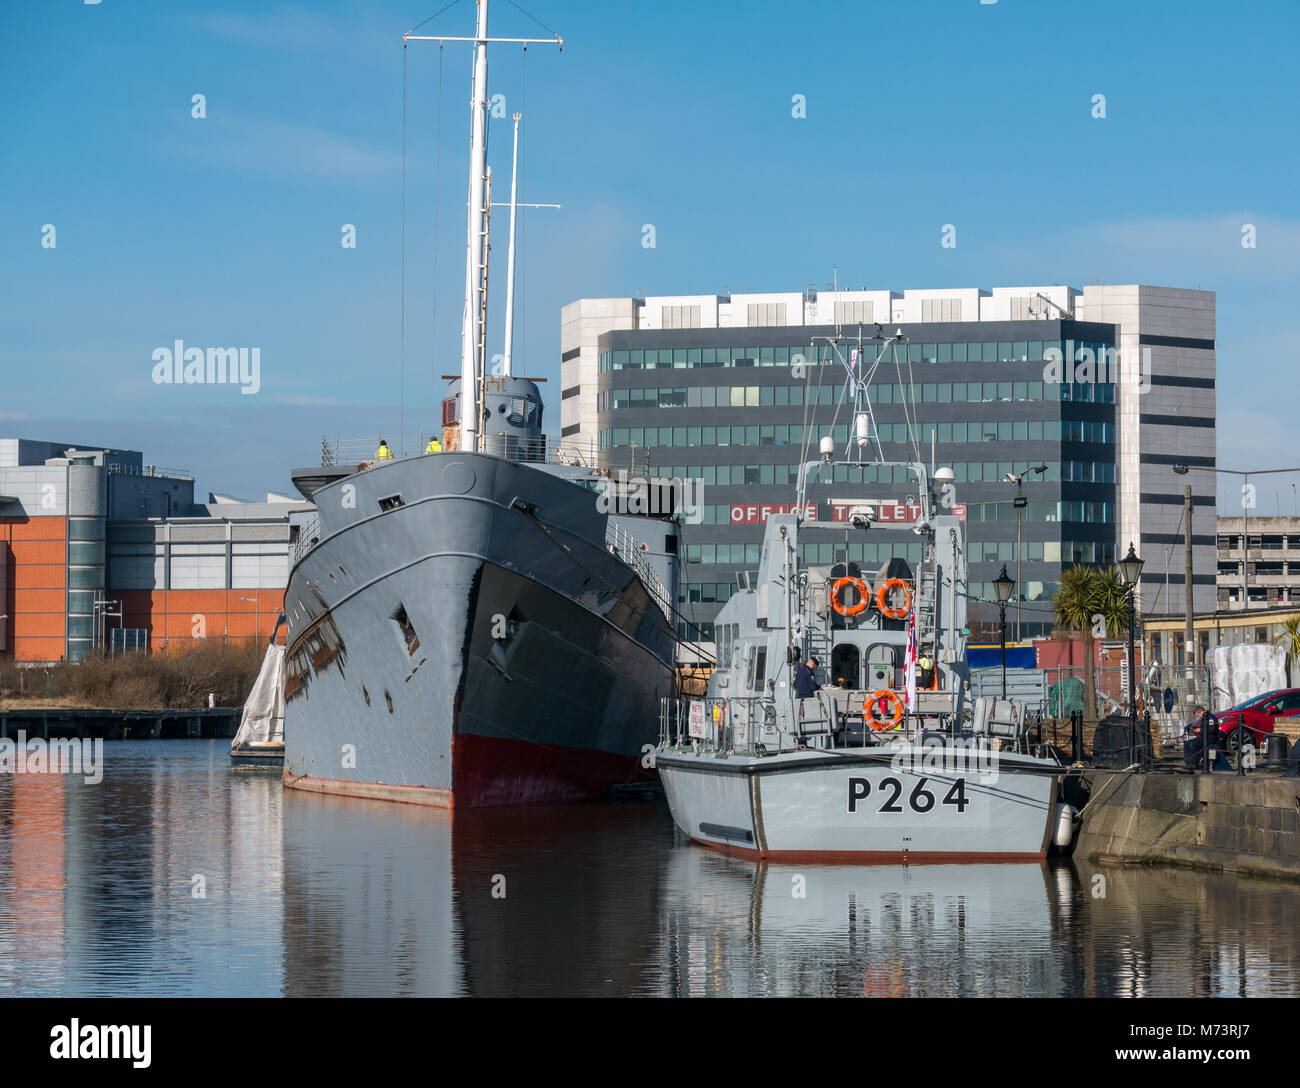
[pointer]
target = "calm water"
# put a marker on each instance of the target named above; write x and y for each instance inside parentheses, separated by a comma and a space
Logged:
(314, 896)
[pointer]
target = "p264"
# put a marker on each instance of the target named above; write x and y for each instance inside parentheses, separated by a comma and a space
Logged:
(919, 800)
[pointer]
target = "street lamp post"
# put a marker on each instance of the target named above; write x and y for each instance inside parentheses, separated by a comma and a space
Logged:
(1020, 502)
(1002, 586)
(1247, 501)
(1131, 570)
(256, 602)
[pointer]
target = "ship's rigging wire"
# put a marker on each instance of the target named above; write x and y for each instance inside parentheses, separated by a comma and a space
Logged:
(401, 386)
(434, 16)
(435, 425)
(437, 200)
(533, 18)
(517, 297)
(911, 385)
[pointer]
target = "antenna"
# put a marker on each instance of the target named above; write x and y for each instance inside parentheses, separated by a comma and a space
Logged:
(510, 257)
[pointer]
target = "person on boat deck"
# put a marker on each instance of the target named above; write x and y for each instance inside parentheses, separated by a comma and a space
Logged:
(805, 681)
(383, 453)
(434, 446)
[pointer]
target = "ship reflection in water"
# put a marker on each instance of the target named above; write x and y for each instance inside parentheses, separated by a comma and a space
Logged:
(306, 895)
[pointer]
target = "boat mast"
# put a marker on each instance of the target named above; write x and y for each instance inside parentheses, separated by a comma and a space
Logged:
(476, 241)
(473, 322)
(510, 256)
(483, 296)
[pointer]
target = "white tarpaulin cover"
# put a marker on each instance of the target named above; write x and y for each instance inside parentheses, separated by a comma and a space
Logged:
(1242, 672)
(263, 721)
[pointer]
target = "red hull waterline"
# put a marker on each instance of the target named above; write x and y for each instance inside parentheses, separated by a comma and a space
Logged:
(865, 857)
(492, 771)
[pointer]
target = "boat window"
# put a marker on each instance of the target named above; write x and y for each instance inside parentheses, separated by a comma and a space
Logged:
(408, 631)
(523, 410)
(760, 669)
(391, 502)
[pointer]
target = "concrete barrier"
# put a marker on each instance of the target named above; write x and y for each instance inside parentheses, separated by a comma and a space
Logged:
(1245, 824)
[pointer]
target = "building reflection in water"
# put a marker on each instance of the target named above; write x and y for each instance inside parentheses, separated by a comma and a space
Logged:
(32, 928)
(97, 881)
(1175, 932)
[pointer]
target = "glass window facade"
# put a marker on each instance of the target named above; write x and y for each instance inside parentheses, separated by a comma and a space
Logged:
(986, 405)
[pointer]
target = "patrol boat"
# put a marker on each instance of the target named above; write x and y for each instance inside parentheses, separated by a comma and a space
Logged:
(889, 761)
(478, 625)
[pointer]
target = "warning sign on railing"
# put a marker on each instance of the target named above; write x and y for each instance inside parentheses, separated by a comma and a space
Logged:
(696, 720)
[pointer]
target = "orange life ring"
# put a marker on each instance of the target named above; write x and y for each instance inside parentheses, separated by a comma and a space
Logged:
(882, 598)
(864, 595)
(879, 698)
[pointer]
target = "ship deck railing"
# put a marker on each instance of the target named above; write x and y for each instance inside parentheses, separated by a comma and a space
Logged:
(340, 450)
(308, 537)
(752, 726)
(624, 545)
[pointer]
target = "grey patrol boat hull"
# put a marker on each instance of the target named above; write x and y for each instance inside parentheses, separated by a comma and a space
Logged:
(886, 805)
(459, 632)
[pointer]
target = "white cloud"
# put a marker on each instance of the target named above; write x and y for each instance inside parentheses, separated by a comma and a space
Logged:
(285, 28)
(263, 145)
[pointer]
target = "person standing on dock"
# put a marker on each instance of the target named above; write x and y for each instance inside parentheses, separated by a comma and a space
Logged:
(383, 453)
(434, 446)
(805, 680)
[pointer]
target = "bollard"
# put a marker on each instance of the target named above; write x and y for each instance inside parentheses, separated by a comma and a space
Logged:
(1277, 749)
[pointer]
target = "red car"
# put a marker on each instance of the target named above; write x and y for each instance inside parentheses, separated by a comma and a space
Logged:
(1256, 714)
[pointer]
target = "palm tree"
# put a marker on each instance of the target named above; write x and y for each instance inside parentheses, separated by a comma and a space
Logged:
(1073, 606)
(1086, 593)
(1289, 640)
(1112, 600)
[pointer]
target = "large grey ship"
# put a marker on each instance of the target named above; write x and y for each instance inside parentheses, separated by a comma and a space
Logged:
(474, 626)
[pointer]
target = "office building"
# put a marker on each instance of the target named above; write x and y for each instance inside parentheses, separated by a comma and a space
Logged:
(1106, 387)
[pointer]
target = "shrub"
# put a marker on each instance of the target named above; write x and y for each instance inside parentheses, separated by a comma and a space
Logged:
(179, 680)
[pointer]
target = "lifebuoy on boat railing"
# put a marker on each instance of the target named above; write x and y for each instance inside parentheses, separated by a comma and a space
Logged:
(864, 596)
(882, 598)
(885, 700)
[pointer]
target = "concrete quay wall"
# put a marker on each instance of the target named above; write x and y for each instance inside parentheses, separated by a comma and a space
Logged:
(1246, 824)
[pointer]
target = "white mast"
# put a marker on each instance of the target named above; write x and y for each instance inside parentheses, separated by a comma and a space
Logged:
(470, 411)
(473, 320)
(510, 257)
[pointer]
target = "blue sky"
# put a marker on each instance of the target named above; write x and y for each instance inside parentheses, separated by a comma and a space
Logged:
(225, 231)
